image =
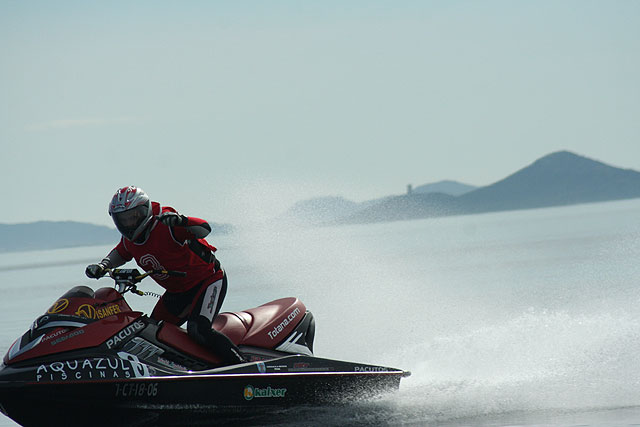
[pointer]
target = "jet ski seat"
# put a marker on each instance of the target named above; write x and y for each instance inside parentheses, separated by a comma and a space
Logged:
(252, 327)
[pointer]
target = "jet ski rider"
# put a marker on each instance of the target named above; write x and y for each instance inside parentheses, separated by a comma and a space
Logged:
(160, 238)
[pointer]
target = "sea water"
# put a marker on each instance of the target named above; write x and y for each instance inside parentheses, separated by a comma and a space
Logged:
(512, 318)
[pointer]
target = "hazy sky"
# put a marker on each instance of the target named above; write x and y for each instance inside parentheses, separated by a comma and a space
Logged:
(235, 110)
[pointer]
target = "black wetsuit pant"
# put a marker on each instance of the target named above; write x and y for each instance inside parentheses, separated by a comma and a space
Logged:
(200, 317)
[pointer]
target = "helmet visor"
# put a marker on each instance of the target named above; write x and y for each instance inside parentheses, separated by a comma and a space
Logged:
(129, 221)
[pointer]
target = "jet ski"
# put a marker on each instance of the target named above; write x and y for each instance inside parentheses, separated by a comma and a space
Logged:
(91, 357)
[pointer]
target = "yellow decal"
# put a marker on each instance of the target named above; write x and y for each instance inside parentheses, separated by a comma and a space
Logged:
(59, 306)
(248, 392)
(86, 310)
(90, 312)
(107, 311)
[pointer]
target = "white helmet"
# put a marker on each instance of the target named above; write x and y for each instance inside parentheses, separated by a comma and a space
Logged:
(130, 209)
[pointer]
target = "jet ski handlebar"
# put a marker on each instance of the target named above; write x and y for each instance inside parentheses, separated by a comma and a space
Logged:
(127, 278)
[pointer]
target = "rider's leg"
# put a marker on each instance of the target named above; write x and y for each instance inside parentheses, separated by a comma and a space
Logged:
(161, 312)
(199, 324)
(174, 307)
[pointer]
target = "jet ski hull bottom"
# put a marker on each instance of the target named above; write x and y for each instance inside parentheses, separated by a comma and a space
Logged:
(240, 389)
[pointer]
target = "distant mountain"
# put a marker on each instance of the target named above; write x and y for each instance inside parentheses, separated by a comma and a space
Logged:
(453, 188)
(64, 234)
(319, 210)
(558, 179)
(51, 235)
(409, 206)
(561, 178)
(322, 210)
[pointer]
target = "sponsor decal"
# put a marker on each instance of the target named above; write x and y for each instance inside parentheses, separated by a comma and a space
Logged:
(55, 334)
(299, 365)
(261, 367)
(59, 306)
(171, 364)
(250, 392)
(125, 366)
(107, 311)
(137, 390)
(66, 337)
(370, 369)
(284, 323)
(316, 369)
(125, 333)
(140, 346)
(212, 301)
(306, 367)
(90, 312)
(86, 310)
(139, 368)
(278, 368)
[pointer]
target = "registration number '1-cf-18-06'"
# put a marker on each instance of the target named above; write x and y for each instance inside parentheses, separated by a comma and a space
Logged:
(142, 389)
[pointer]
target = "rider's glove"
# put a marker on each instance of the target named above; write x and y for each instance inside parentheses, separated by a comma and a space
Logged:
(95, 271)
(173, 219)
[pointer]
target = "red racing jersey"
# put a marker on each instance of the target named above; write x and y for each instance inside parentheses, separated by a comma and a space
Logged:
(172, 248)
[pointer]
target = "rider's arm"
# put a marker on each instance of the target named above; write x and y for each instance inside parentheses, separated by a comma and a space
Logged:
(113, 259)
(199, 228)
(118, 256)
(184, 227)
(191, 228)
